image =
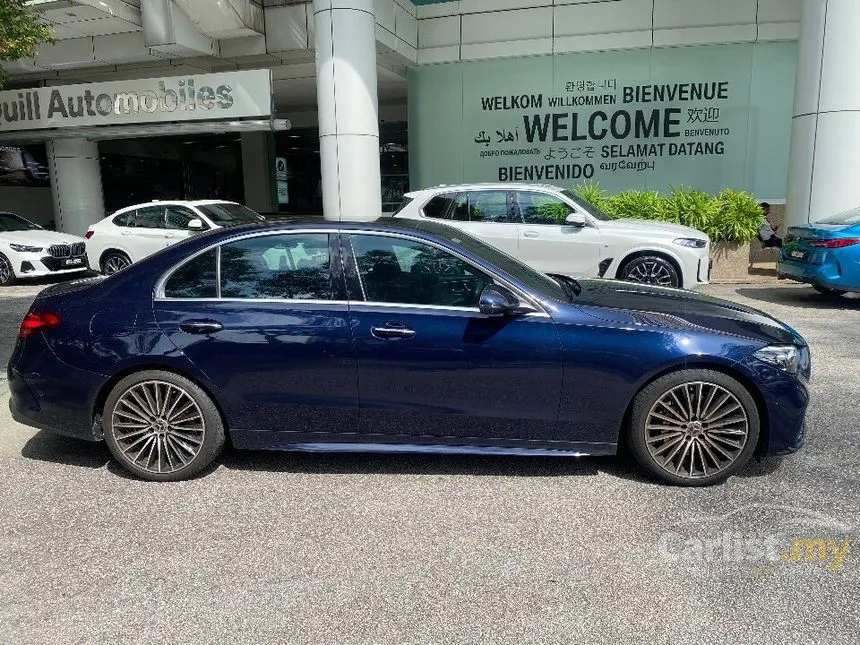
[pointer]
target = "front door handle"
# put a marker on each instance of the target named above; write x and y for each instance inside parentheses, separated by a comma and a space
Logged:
(392, 331)
(531, 234)
(200, 326)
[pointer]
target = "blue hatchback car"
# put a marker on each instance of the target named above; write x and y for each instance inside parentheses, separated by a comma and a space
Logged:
(825, 254)
(400, 336)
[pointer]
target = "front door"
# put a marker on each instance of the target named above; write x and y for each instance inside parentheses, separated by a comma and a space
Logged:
(550, 246)
(273, 336)
(176, 220)
(431, 367)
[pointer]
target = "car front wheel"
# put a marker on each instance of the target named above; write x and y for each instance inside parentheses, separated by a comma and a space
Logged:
(162, 427)
(7, 274)
(694, 427)
(114, 261)
(651, 269)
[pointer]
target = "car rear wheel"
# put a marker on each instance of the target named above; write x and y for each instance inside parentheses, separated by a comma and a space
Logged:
(694, 427)
(7, 274)
(651, 269)
(161, 426)
(114, 261)
(825, 291)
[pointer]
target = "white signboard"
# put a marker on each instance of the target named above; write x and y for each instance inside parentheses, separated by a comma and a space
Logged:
(227, 95)
(281, 168)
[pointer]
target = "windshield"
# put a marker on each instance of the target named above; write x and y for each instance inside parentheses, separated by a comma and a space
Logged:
(588, 207)
(845, 218)
(227, 214)
(510, 265)
(10, 222)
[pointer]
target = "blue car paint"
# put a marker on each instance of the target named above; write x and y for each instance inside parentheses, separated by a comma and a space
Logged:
(831, 268)
(298, 375)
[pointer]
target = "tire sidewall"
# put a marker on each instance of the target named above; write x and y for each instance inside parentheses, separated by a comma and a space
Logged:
(213, 439)
(648, 396)
(111, 254)
(676, 277)
(11, 280)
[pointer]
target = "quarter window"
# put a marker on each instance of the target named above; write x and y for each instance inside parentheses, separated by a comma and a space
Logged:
(439, 206)
(194, 279)
(400, 271)
(124, 219)
(293, 267)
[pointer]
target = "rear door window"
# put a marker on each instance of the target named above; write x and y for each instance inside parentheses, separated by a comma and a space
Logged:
(149, 217)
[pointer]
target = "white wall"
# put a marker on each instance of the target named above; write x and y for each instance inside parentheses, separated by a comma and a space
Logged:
(35, 204)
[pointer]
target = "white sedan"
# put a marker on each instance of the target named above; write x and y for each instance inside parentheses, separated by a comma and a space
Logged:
(556, 231)
(29, 251)
(132, 233)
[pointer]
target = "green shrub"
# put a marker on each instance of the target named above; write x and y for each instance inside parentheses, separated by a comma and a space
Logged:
(552, 211)
(731, 216)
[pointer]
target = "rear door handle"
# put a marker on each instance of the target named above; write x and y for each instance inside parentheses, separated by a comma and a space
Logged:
(392, 331)
(531, 234)
(200, 326)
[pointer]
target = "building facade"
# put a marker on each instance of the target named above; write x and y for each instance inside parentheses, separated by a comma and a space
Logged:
(340, 106)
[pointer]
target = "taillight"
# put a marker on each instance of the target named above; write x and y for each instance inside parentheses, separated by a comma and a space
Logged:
(837, 243)
(89, 234)
(34, 322)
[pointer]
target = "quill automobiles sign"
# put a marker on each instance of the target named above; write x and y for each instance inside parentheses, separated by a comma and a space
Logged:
(229, 95)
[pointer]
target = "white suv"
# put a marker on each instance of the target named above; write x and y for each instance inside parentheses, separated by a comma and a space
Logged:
(556, 231)
(133, 233)
(29, 251)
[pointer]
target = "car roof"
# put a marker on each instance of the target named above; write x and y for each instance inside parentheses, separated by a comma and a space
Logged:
(484, 186)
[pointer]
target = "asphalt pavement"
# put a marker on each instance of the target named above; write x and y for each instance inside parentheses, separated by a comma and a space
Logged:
(286, 548)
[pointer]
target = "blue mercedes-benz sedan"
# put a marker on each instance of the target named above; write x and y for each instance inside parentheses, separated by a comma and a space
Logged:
(825, 254)
(400, 336)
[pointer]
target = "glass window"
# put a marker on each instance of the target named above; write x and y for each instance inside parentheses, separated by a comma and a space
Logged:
(228, 214)
(588, 207)
(124, 219)
(194, 279)
(10, 222)
(539, 208)
(177, 217)
(845, 218)
(461, 208)
(438, 206)
(400, 271)
(290, 266)
(149, 217)
(488, 206)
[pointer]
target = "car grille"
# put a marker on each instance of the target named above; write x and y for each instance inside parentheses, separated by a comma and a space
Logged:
(67, 250)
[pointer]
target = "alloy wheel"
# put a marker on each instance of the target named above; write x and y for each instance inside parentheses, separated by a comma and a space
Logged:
(696, 430)
(116, 263)
(5, 270)
(651, 272)
(158, 427)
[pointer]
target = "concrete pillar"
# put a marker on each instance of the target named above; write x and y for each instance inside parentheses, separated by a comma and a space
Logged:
(825, 136)
(258, 171)
(76, 184)
(345, 35)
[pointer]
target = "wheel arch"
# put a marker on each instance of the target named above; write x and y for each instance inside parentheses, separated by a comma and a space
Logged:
(113, 249)
(641, 253)
(103, 393)
(743, 379)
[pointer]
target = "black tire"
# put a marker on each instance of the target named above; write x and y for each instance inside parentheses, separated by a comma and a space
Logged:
(651, 269)
(662, 451)
(7, 273)
(113, 262)
(825, 291)
(170, 447)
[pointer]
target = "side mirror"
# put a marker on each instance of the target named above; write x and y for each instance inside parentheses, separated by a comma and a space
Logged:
(195, 224)
(575, 219)
(497, 300)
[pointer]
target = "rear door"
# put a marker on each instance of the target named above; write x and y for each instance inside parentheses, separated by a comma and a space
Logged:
(273, 335)
(147, 235)
(486, 214)
(547, 243)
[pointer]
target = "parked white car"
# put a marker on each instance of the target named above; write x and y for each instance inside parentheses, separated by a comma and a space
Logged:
(29, 251)
(132, 233)
(556, 231)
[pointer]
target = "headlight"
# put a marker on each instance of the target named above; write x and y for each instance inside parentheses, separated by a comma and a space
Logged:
(692, 242)
(23, 248)
(784, 357)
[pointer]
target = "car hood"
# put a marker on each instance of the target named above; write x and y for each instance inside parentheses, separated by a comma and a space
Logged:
(636, 303)
(651, 226)
(38, 237)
